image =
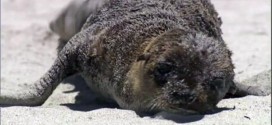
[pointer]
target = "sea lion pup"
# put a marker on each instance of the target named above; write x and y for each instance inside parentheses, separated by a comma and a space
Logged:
(148, 56)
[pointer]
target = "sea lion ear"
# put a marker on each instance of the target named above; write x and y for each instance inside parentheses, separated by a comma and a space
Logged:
(144, 57)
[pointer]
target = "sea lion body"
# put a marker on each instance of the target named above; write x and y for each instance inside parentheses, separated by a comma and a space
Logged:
(146, 55)
(122, 31)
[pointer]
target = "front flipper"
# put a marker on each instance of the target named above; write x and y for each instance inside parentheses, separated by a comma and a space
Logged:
(258, 85)
(36, 94)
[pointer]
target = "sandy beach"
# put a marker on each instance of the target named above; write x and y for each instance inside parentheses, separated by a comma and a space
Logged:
(28, 49)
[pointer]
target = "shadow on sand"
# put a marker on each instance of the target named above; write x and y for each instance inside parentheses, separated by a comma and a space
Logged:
(87, 101)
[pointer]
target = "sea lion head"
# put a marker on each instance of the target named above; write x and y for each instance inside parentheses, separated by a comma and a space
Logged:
(181, 72)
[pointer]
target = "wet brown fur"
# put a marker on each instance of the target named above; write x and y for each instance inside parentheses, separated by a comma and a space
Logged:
(136, 30)
(147, 55)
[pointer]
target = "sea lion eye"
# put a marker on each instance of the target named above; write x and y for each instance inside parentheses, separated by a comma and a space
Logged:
(164, 68)
(161, 71)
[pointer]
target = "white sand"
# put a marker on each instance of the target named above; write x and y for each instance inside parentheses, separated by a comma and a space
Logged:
(28, 49)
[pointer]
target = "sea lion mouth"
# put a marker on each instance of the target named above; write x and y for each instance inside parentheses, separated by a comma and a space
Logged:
(182, 111)
(188, 111)
(175, 108)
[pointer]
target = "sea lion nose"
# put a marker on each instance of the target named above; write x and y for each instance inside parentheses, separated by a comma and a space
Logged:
(218, 84)
(186, 97)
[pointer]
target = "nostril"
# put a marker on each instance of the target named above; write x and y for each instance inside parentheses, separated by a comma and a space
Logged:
(175, 94)
(184, 97)
(218, 83)
(191, 99)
